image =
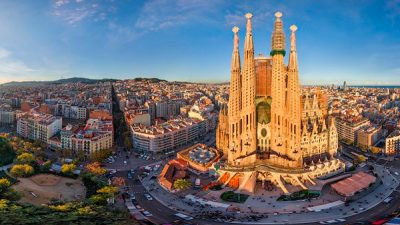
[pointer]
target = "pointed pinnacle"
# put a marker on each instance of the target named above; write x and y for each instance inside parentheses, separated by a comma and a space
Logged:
(248, 15)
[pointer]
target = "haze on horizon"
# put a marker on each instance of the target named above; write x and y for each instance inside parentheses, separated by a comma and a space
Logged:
(191, 40)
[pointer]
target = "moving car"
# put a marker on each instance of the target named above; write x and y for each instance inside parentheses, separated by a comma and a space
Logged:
(380, 221)
(148, 197)
(387, 200)
(183, 216)
(147, 213)
(332, 221)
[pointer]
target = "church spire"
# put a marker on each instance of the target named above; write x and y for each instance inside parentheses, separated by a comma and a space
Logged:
(235, 53)
(278, 36)
(248, 45)
(235, 98)
(248, 139)
(235, 86)
(293, 54)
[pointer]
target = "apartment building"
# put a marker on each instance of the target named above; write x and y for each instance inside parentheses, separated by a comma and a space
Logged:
(7, 116)
(167, 136)
(392, 143)
(368, 136)
(347, 128)
(38, 126)
(94, 136)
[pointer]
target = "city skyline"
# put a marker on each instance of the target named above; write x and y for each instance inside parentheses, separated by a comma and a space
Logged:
(165, 112)
(189, 40)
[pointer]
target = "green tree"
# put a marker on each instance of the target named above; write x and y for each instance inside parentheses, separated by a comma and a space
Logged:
(7, 152)
(101, 155)
(46, 166)
(107, 191)
(98, 199)
(61, 213)
(25, 158)
(95, 168)
(4, 185)
(181, 184)
(22, 170)
(4, 204)
(80, 155)
(11, 195)
(127, 142)
(68, 168)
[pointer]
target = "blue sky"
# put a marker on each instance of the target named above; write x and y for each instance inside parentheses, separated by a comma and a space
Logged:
(191, 40)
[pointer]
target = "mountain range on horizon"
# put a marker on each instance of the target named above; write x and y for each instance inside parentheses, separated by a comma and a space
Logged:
(70, 80)
(152, 80)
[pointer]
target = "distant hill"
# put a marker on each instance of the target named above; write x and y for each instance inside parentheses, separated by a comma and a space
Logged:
(61, 81)
(151, 80)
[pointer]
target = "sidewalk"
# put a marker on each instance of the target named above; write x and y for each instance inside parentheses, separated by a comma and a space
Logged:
(6, 167)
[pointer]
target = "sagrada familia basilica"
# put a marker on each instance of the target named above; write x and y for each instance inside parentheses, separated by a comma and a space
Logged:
(270, 131)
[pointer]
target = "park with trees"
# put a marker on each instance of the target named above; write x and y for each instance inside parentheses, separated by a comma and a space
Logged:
(28, 159)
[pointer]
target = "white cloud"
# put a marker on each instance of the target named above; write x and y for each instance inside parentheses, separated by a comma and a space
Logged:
(263, 12)
(161, 14)
(59, 3)
(4, 53)
(157, 15)
(14, 67)
(79, 10)
(10, 68)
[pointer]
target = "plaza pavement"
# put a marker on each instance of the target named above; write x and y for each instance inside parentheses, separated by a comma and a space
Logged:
(285, 209)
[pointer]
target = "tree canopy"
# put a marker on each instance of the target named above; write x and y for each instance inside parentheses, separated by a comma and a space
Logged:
(22, 170)
(68, 168)
(62, 213)
(95, 168)
(6, 151)
(181, 184)
(25, 158)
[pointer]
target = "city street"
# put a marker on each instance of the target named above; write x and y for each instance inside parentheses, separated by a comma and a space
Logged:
(162, 212)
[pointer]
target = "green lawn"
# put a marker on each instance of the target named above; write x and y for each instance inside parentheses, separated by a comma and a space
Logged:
(299, 195)
(230, 196)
